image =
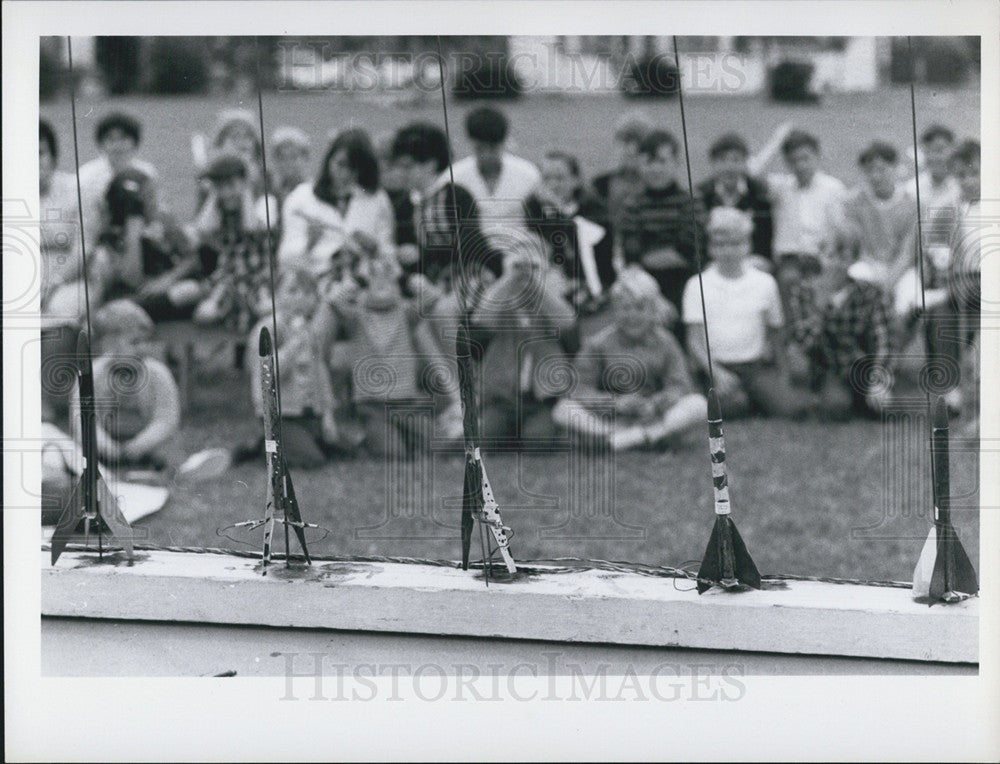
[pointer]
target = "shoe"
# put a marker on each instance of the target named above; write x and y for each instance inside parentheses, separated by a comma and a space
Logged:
(205, 465)
(247, 452)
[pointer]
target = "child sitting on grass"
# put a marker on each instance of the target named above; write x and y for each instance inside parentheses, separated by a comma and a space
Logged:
(745, 323)
(144, 255)
(572, 223)
(659, 222)
(396, 362)
(521, 319)
(840, 325)
(138, 401)
(308, 427)
(232, 235)
(636, 369)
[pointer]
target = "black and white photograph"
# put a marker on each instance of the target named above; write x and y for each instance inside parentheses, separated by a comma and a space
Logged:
(506, 375)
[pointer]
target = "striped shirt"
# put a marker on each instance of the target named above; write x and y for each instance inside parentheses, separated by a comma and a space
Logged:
(652, 220)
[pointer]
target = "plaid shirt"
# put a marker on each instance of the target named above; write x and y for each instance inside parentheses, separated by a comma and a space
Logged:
(835, 337)
(241, 269)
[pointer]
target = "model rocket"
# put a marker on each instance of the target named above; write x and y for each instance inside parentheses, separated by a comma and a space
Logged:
(478, 502)
(91, 501)
(727, 562)
(280, 493)
(944, 572)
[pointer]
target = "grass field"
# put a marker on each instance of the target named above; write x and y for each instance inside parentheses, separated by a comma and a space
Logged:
(847, 500)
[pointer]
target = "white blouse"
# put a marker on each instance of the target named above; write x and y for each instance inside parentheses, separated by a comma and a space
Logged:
(314, 231)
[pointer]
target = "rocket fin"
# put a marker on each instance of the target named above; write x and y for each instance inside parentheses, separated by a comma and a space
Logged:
(68, 520)
(112, 515)
(743, 565)
(471, 488)
(925, 566)
(711, 565)
(965, 574)
(292, 510)
(961, 578)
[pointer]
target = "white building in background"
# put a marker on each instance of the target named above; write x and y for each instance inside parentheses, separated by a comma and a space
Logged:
(710, 65)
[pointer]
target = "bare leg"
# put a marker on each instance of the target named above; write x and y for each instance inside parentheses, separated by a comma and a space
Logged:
(689, 412)
(577, 418)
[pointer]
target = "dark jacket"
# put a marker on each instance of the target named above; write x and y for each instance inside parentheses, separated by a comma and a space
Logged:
(557, 229)
(439, 247)
(754, 201)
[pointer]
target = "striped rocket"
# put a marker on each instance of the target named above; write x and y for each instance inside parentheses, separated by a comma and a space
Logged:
(727, 563)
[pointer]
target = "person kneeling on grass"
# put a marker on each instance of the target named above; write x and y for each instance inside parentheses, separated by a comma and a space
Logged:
(233, 240)
(138, 403)
(635, 371)
(840, 325)
(144, 255)
(745, 323)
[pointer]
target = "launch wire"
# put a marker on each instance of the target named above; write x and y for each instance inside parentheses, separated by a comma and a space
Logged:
(697, 236)
(267, 222)
(919, 254)
(85, 270)
(79, 193)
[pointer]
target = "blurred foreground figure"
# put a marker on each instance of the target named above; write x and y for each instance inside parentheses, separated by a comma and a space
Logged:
(520, 319)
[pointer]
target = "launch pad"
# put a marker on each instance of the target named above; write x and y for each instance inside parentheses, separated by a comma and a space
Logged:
(586, 606)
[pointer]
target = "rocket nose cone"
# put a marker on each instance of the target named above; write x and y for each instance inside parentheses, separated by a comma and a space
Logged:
(265, 342)
(940, 414)
(83, 344)
(714, 409)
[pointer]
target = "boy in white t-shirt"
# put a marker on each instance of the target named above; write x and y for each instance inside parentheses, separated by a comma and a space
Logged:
(745, 322)
(499, 181)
